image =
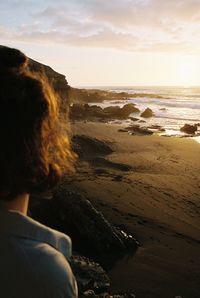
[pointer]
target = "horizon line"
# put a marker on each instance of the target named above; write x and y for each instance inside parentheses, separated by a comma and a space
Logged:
(135, 86)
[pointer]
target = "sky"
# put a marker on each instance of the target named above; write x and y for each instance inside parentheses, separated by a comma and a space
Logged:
(108, 43)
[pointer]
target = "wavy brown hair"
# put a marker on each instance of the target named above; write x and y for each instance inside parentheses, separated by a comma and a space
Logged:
(35, 148)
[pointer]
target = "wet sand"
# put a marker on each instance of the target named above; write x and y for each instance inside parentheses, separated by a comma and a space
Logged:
(157, 201)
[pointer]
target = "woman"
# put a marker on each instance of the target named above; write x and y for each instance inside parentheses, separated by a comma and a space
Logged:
(34, 153)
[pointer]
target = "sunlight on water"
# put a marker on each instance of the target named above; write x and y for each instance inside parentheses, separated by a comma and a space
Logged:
(172, 106)
(197, 139)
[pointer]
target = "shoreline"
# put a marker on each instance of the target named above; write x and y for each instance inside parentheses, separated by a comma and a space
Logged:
(156, 201)
(172, 107)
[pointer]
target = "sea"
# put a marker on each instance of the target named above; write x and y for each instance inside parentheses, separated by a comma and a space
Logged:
(173, 106)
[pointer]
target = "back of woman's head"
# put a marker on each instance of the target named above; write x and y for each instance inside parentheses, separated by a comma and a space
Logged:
(34, 150)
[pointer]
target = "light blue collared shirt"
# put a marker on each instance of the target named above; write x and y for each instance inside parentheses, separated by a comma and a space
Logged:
(33, 259)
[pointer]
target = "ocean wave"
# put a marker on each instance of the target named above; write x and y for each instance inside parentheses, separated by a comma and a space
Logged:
(177, 103)
(177, 118)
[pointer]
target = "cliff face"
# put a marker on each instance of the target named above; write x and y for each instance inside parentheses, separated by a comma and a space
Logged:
(57, 80)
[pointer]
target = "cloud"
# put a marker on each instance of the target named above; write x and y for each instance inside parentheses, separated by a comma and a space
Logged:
(134, 25)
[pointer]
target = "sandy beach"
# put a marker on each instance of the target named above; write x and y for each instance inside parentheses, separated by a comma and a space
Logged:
(156, 199)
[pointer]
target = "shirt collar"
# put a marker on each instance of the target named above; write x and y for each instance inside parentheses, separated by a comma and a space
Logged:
(15, 223)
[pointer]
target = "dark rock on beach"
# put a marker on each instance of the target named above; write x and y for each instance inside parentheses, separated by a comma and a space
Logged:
(90, 276)
(147, 113)
(129, 109)
(80, 112)
(133, 119)
(122, 130)
(112, 111)
(86, 146)
(75, 215)
(91, 234)
(121, 113)
(92, 279)
(87, 226)
(157, 127)
(84, 111)
(136, 129)
(189, 129)
(93, 151)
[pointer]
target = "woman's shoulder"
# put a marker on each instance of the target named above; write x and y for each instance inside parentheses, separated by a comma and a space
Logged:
(51, 270)
(24, 227)
(39, 254)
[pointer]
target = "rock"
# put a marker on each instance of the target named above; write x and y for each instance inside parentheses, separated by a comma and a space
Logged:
(155, 126)
(84, 145)
(163, 109)
(133, 119)
(91, 279)
(88, 293)
(77, 111)
(121, 113)
(84, 111)
(107, 295)
(136, 129)
(129, 109)
(73, 214)
(147, 113)
(57, 80)
(189, 129)
(141, 121)
(122, 130)
(90, 276)
(112, 111)
(97, 111)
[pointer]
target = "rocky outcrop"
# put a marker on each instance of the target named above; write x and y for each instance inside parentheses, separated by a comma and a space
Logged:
(91, 234)
(57, 80)
(137, 130)
(92, 280)
(75, 215)
(86, 146)
(189, 129)
(93, 151)
(157, 128)
(97, 95)
(87, 226)
(90, 276)
(121, 113)
(86, 112)
(147, 113)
